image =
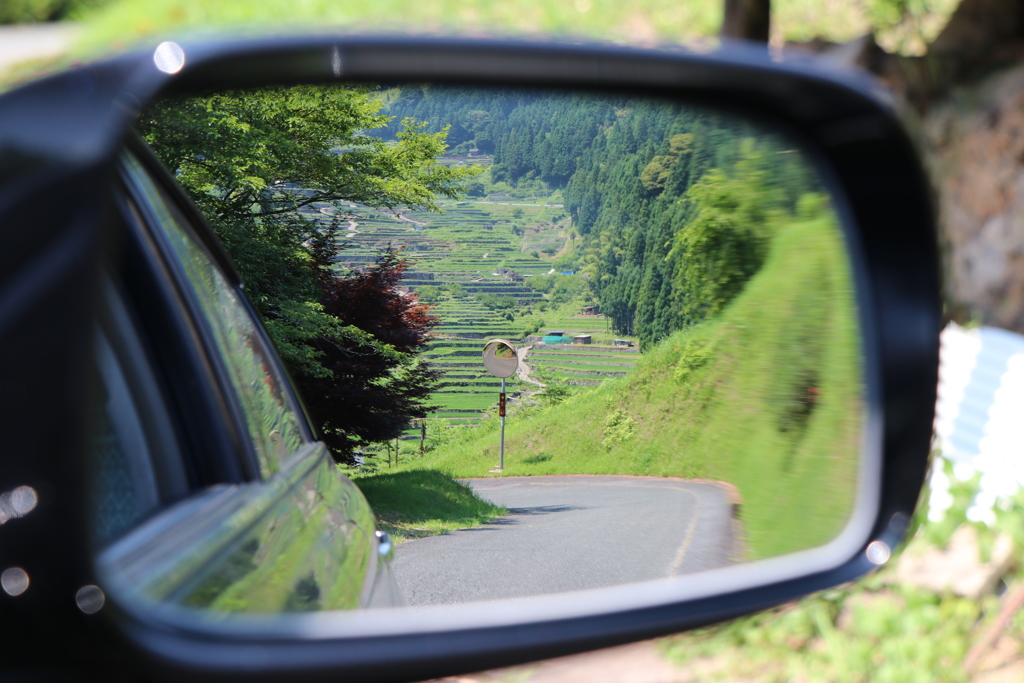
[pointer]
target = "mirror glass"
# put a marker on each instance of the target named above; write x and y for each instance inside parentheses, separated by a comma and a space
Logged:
(501, 358)
(686, 387)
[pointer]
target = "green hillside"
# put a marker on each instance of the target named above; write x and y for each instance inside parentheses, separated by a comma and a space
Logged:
(462, 256)
(703, 239)
(475, 262)
(767, 396)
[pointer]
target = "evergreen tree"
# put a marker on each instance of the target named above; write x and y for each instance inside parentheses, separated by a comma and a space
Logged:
(647, 184)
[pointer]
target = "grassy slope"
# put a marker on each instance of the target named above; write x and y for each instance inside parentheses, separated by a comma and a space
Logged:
(416, 503)
(116, 25)
(725, 400)
(121, 22)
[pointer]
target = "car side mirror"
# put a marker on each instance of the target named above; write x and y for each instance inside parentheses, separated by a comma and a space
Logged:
(823, 151)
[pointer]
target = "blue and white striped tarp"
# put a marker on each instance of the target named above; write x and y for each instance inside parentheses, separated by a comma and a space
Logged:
(979, 417)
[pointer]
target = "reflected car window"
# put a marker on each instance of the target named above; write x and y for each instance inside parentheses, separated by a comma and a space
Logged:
(137, 464)
(270, 414)
(124, 486)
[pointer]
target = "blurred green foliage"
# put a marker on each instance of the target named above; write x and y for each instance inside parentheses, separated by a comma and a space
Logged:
(900, 24)
(23, 11)
(907, 26)
(872, 630)
(429, 293)
(27, 11)
(128, 21)
(496, 301)
(112, 26)
(863, 632)
(231, 151)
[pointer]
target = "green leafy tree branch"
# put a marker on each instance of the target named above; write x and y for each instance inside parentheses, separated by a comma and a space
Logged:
(259, 165)
(275, 171)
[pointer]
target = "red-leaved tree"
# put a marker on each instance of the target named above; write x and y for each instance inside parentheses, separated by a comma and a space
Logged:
(377, 382)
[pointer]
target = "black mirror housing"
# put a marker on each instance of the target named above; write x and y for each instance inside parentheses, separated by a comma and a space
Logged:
(60, 140)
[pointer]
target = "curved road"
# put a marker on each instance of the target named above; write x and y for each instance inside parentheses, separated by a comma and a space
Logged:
(524, 370)
(567, 533)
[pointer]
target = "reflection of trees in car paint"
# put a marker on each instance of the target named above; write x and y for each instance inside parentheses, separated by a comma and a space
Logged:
(271, 419)
(312, 549)
(272, 424)
(308, 553)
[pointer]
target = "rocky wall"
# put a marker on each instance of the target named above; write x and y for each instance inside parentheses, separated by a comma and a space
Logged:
(974, 142)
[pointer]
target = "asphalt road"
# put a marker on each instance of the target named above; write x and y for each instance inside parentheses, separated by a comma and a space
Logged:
(571, 533)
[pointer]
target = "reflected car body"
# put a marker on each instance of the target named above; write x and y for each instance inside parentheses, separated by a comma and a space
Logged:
(211, 491)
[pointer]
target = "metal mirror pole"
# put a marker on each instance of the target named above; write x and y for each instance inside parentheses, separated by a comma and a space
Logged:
(501, 414)
(501, 360)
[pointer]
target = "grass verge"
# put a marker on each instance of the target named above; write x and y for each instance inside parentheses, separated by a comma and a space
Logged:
(419, 502)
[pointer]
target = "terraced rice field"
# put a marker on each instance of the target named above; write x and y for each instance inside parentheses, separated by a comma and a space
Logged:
(580, 364)
(476, 248)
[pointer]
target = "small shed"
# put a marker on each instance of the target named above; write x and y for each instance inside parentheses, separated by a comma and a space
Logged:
(622, 342)
(555, 333)
(593, 309)
(581, 339)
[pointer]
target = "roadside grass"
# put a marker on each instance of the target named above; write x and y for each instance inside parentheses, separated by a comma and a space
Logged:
(414, 503)
(882, 627)
(126, 21)
(869, 631)
(767, 397)
(119, 23)
(116, 25)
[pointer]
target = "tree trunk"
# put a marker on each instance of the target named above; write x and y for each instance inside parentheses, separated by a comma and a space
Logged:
(973, 140)
(747, 20)
(978, 26)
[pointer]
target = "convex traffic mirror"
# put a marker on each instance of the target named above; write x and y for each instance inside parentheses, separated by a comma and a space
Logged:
(500, 358)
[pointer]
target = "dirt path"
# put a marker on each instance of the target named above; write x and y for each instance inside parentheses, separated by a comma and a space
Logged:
(525, 369)
(400, 217)
(352, 224)
(636, 663)
(24, 42)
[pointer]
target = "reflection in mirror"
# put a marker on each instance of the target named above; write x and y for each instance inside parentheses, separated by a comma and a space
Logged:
(500, 358)
(687, 383)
